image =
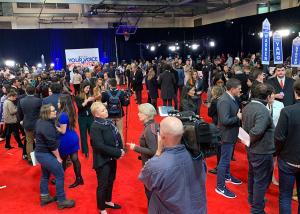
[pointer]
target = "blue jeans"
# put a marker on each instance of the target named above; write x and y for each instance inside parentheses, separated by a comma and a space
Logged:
(50, 165)
(259, 178)
(224, 164)
(287, 177)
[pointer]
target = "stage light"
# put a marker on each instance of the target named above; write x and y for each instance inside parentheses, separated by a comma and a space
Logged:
(159, 45)
(195, 46)
(176, 43)
(186, 44)
(172, 48)
(10, 63)
(212, 44)
(52, 64)
(39, 65)
(177, 47)
(284, 32)
(152, 48)
(147, 46)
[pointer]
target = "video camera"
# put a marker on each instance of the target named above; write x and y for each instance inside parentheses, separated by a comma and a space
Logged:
(200, 138)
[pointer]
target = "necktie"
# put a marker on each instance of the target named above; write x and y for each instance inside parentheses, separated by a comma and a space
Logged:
(281, 84)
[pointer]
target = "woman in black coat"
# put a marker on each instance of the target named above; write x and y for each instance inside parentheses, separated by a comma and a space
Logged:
(152, 88)
(167, 83)
(107, 147)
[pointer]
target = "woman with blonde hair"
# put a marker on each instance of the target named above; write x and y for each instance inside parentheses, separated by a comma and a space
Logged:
(151, 85)
(98, 89)
(148, 139)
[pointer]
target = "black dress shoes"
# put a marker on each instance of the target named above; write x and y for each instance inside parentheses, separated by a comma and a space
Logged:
(78, 181)
(116, 206)
(9, 147)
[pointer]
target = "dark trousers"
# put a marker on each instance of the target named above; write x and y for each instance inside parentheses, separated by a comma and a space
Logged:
(12, 128)
(50, 165)
(105, 176)
(167, 102)
(148, 194)
(85, 123)
(138, 94)
(224, 164)
(287, 177)
(259, 178)
(154, 103)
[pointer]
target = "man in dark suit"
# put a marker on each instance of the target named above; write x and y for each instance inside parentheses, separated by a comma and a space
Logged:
(137, 82)
(29, 109)
(258, 123)
(55, 89)
(283, 86)
(229, 119)
(287, 135)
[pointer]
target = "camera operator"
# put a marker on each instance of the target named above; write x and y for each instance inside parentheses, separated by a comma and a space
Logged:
(115, 100)
(170, 170)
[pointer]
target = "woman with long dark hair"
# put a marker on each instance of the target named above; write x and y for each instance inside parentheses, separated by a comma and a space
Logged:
(152, 88)
(69, 141)
(85, 119)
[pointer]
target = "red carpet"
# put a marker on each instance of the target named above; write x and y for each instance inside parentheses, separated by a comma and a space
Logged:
(21, 194)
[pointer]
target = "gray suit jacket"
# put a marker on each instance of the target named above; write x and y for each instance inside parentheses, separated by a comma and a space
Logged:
(228, 121)
(258, 123)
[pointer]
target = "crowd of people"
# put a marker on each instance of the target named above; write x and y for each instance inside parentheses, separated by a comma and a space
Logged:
(42, 108)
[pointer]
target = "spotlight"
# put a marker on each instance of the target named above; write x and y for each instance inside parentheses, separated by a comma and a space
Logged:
(159, 45)
(186, 44)
(284, 32)
(10, 63)
(52, 65)
(172, 48)
(177, 47)
(212, 44)
(147, 46)
(152, 48)
(195, 46)
(39, 65)
(176, 43)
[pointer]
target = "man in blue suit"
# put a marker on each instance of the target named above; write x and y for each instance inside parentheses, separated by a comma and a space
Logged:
(229, 120)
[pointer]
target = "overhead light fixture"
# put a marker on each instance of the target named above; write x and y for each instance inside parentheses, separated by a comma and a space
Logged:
(212, 44)
(152, 48)
(172, 48)
(284, 32)
(195, 46)
(10, 63)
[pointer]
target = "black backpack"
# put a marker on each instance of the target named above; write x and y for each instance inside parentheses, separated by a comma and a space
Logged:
(114, 106)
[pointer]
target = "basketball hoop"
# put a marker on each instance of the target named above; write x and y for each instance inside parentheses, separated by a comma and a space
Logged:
(126, 36)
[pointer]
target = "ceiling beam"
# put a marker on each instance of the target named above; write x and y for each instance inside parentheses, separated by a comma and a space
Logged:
(55, 1)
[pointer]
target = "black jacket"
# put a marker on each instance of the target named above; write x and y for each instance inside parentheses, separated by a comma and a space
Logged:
(103, 144)
(288, 90)
(152, 87)
(29, 110)
(212, 111)
(167, 83)
(46, 136)
(228, 120)
(287, 134)
(137, 80)
(83, 111)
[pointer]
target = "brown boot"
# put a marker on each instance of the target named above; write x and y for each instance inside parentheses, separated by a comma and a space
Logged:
(65, 204)
(47, 199)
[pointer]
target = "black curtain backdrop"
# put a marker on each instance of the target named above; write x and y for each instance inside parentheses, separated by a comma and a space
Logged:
(28, 45)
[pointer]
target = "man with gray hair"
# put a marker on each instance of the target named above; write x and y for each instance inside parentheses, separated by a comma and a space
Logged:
(177, 182)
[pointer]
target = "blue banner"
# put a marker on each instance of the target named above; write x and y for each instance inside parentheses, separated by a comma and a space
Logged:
(265, 49)
(296, 52)
(277, 48)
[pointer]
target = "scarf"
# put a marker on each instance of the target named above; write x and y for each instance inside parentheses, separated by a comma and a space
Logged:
(114, 129)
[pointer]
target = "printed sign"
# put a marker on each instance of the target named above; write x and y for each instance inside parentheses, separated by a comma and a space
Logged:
(296, 52)
(82, 57)
(265, 42)
(277, 48)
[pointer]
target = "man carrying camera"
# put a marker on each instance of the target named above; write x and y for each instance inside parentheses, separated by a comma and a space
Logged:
(115, 100)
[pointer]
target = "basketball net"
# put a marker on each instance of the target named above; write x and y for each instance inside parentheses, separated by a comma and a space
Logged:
(126, 36)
